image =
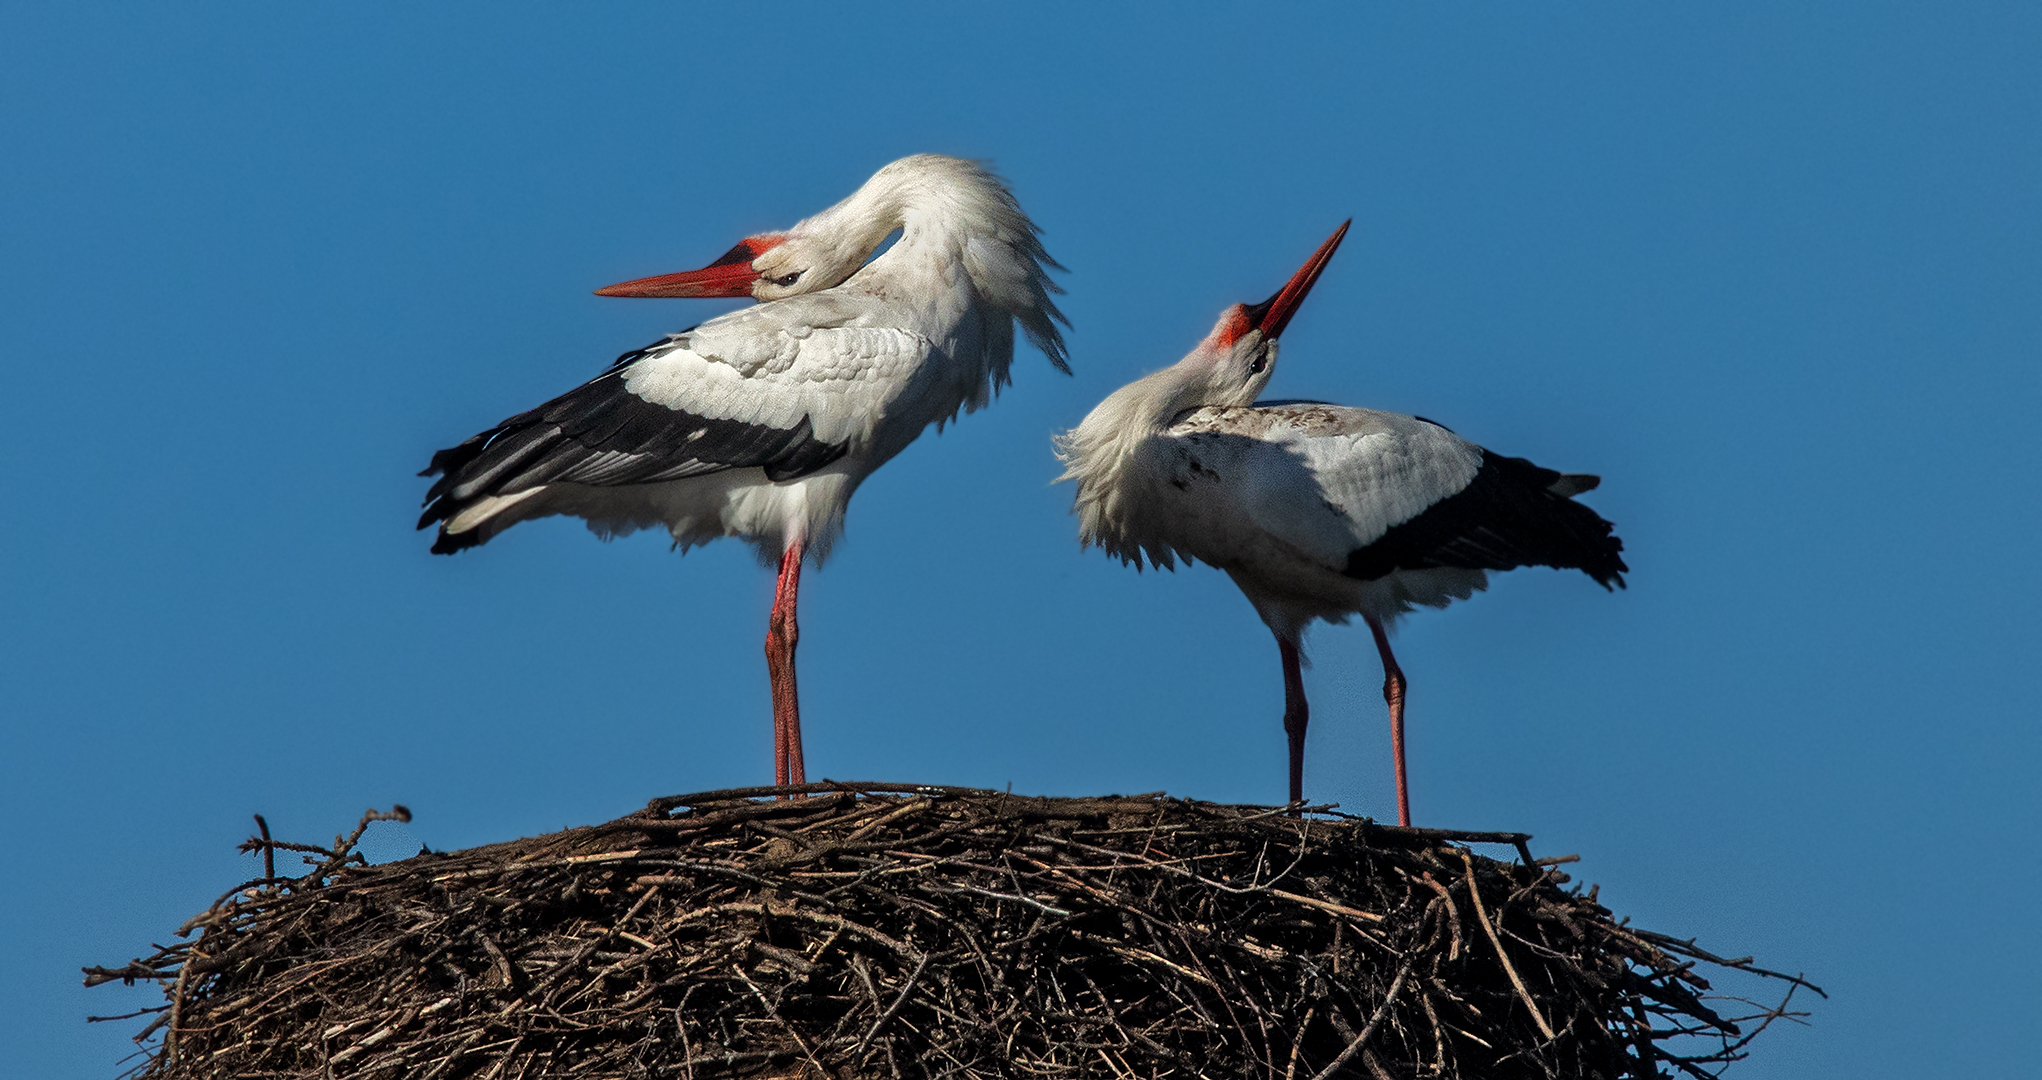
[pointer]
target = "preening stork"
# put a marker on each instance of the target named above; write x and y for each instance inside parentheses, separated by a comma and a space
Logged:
(761, 423)
(1316, 511)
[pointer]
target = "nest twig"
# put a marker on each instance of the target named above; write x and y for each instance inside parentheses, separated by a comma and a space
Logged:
(914, 931)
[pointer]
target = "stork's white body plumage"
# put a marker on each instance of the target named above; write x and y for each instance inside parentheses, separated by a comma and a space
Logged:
(1316, 511)
(820, 375)
(1280, 495)
(761, 424)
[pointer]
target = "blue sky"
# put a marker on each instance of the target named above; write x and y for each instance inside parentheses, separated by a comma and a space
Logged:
(1772, 273)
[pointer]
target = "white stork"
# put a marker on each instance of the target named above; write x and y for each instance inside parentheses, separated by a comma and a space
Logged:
(1316, 511)
(761, 423)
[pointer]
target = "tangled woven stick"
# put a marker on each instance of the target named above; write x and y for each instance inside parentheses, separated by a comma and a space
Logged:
(872, 930)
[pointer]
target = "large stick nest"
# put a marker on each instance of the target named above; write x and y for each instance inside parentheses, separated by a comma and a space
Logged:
(905, 931)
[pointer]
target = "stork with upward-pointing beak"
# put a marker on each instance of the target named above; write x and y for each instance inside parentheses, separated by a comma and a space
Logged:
(760, 424)
(1316, 511)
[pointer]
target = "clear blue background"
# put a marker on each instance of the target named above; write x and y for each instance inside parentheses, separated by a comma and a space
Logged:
(1774, 274)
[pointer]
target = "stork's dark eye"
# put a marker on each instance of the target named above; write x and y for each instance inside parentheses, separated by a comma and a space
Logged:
(785, 280)
(1259, 363)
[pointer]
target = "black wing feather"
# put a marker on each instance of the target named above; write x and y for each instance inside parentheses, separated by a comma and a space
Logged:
(1513, 513)
(604, 435)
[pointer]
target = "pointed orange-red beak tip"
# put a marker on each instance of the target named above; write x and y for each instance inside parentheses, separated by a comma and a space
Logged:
(731, 275)
(1273, 314)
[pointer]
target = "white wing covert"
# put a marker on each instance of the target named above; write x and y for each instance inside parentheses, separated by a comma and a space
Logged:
(1319, 479)
(1384, 471)
(837, 377)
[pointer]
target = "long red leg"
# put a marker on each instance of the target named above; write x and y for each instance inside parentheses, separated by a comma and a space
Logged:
(1393, 693)
(782, 632)
(1296, 714)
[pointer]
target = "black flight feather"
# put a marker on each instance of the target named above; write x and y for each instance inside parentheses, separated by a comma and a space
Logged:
(604, 435)
(1512, 513)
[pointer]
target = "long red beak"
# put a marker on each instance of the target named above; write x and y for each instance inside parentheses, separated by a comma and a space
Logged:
(731, 275)
(1272, 315)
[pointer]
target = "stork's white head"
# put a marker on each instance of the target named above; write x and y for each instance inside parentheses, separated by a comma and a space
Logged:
(1230, 367)
(1237, 359)
(952, 214)
(820, 252)
(957, 204)
(824, 250)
